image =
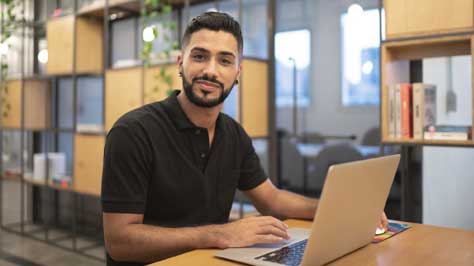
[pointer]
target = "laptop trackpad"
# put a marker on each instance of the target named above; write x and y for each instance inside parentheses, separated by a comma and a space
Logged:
(296, 235)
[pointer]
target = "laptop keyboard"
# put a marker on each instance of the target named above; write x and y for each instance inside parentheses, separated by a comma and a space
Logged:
(289, 255)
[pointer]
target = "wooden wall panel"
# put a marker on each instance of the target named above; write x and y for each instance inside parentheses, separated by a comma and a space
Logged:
(254, 97)
(408, 18)
(11, 106)
(89, 54)
(88, 161)
(155, 88)
(89, 45)
(123, 92)
(37, 104)
(59, 34)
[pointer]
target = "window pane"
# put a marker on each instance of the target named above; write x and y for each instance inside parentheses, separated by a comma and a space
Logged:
(65, 103)
(254, 28)
(360, 58)
(125, 41)
(89, 106)
(293, 55)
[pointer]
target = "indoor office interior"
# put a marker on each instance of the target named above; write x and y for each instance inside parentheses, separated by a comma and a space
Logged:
(318, 87)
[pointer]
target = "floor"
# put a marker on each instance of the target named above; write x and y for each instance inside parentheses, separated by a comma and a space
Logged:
(16, 249)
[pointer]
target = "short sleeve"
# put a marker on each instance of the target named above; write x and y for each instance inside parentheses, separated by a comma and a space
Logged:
(251, 171)
(126, 171)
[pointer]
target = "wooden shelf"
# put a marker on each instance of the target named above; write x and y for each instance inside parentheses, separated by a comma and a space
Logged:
(428, 142)
(395, 68)
(35, 182)
(11, 177)
(121, 7)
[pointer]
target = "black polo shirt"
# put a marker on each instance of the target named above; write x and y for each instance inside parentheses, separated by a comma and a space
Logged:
(158, 163)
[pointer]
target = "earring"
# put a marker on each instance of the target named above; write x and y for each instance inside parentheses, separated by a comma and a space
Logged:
(236, 82)
(180, 74)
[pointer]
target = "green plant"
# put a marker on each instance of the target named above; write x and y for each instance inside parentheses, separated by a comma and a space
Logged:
(7, 28)
(158, 10)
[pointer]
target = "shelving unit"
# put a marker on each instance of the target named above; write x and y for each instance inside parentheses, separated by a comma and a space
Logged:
(79, 47)
(418, 30)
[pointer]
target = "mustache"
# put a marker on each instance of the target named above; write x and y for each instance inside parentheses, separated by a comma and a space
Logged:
(207, 78)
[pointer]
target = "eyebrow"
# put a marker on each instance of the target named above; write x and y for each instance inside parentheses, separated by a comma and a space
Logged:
(200, 49)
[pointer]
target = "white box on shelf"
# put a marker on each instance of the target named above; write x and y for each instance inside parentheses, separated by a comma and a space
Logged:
(56, 165)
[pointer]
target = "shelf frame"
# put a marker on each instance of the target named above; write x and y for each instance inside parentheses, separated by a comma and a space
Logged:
(395, 57)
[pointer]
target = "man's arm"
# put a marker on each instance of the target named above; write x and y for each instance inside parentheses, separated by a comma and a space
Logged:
(270, 200)
(128, 239)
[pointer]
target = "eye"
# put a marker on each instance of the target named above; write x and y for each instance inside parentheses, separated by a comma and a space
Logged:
(198, 57)
(226, 61)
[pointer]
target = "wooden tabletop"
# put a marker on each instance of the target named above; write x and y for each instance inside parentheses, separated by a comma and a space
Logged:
(420, 245)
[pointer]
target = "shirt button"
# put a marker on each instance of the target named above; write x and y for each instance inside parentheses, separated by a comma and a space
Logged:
(203, 155)
(198, 131)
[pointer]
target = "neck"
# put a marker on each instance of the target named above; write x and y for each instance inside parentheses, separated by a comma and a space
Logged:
(200, 116)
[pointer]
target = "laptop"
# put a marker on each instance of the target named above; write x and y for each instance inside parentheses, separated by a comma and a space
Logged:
(349, 210)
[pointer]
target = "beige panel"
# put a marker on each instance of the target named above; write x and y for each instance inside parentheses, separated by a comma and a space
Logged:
(89, 53)
(59, 34)
(89, 45)
(88, 161)
(395, 23)
(155, 87)
(123, 92)
(408, 17)
(12, 116)
(37, 104)
(254, 97)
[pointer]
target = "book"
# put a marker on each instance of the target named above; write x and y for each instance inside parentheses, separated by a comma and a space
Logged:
(443, 132)
(398, 114)
(405, 113)
(424, 108)
(391, 111)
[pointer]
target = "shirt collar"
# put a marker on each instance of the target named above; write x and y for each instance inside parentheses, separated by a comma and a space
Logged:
(176, 113)
(178, 116)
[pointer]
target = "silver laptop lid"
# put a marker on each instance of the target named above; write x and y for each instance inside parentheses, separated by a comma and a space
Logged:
(352, 201)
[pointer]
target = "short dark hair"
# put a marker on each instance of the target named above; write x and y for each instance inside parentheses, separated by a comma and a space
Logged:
(215, 21)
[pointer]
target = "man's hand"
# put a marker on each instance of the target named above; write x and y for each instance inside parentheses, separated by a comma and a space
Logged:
(252, 230)
(383, 222)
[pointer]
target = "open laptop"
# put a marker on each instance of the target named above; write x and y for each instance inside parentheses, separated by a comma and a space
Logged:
(349, 211)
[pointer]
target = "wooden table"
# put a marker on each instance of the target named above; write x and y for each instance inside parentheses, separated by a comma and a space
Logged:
(420, 245)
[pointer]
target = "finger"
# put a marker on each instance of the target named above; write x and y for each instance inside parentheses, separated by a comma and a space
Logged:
(384, 221)
(268, 220)
(266, 239)
(269, 229)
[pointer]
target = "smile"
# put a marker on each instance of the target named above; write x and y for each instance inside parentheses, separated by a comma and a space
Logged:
(207, 85)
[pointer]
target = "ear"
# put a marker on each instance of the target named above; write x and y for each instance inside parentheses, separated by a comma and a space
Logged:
(179, 60)
(239, 71)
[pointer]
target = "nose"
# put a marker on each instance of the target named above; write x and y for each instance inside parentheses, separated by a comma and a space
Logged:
(211, 69)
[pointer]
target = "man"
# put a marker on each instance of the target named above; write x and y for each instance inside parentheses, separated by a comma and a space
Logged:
(171, 168)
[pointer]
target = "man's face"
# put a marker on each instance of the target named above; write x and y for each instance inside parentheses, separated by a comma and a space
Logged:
(210, 65)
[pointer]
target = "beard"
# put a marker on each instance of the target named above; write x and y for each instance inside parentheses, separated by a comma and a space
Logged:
(203, 101)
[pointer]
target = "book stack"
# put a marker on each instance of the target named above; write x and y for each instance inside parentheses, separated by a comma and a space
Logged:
(412, 114)
(444, 132)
